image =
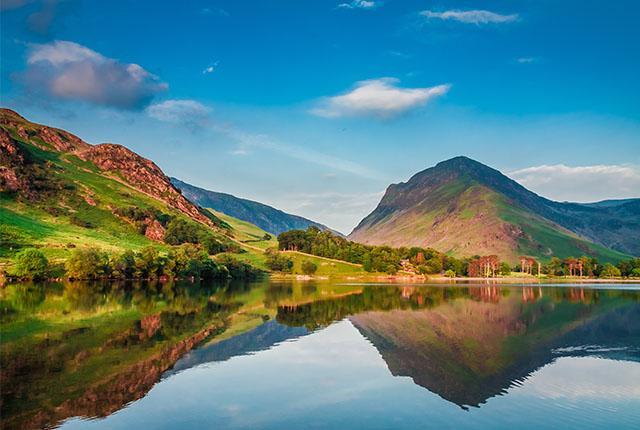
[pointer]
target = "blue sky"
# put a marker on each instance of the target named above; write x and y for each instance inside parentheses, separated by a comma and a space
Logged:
(315, 107)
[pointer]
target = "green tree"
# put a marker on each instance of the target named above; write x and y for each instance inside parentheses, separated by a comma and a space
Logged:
(150, 257)
(277, 261)
(505, 269)
(86, 263)
(212, 245)
(309, 267)
(609, 271)
(31, 263)
(180, 231)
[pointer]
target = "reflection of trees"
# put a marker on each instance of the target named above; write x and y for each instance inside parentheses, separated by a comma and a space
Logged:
(25, 297)
(51, 376)
(377, 298)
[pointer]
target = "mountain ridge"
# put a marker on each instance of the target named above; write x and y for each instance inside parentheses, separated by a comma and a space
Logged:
(266, 217)
(456, 197)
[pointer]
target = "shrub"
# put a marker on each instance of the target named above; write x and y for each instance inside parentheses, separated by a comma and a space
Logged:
(609, 271)
(278, 262)
(31, 263)
(450, 274)
(309, 267)
(212, 245)
(80, 222)
(180, 231)
(237, 269)
(86, 263)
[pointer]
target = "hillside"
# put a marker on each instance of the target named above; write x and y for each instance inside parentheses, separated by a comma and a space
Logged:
(59, 192)
(265, 217)
(464, 208)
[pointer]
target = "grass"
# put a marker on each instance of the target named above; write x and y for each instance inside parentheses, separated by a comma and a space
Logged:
(245, 231)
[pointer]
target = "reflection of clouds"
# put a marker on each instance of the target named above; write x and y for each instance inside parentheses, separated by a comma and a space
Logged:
(586, 378)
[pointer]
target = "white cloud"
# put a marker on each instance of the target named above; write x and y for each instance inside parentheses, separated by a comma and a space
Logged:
(526, 60)
(67, 70)
(189, 113)
(210, 68)
(360, 4)
(581, 184)
(378, 98)
(470, 16)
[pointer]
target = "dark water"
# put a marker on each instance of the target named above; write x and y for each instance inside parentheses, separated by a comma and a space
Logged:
(319, 355)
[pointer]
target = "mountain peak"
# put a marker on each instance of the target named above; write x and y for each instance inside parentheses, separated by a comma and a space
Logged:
(464, 207)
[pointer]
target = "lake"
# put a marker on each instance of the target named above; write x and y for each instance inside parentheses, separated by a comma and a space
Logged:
(298, 355)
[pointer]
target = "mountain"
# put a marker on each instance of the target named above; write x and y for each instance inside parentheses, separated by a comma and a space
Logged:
(266, 217)
(464, 208)
(58, 191)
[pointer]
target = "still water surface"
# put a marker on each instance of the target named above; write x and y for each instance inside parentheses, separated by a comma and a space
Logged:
(278, 355)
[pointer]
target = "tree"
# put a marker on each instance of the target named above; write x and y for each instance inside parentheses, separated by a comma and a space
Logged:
(180, 231)
(309, 267)
(31, 263)
(450, 274)
(505, 269)
(609, 271)
(278, 262)
(150, 257)
(86, 263)
(266, 236)
(212, 245)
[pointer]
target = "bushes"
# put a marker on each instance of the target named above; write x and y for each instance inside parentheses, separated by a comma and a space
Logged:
(87, 263)
(185, 260)
(238, 269)
(278, 262)
(31, 263)
(609, 271)
(309, 267)
(180, 231)
(80, 222)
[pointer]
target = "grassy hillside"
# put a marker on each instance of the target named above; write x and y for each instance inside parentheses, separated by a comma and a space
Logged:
(54, 196)
(246, 232)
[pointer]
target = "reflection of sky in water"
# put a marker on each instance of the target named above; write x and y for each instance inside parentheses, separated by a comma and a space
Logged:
(335, 378)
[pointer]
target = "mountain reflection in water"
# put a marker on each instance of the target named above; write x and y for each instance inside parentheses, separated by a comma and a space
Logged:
(90, 349)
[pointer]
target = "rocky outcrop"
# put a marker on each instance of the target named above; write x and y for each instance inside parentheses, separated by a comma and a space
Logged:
(142, 174)
(155, 231)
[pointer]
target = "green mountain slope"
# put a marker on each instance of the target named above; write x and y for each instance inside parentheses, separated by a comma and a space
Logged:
(465, 208)
(265, 217)
(57, 191)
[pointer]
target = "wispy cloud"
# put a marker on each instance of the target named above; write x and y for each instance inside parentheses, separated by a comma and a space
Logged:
(360, 4)
(470, 16)
(176, 111)
(526, 60)
(248, 142)
(195, 116)
(581, 184)
(378, 98)
(67, 70)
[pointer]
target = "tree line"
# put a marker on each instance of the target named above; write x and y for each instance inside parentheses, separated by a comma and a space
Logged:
(430, 261)
(184, 261)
